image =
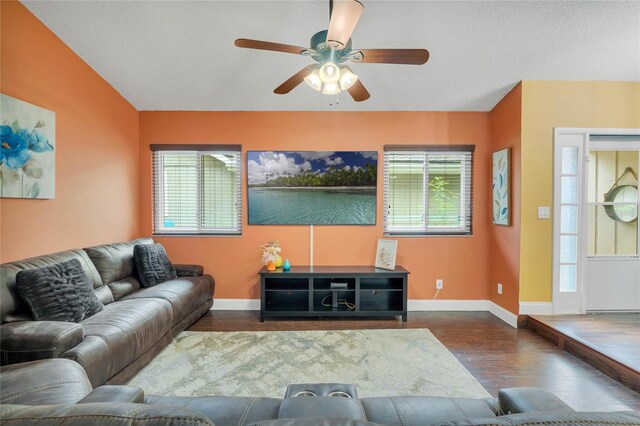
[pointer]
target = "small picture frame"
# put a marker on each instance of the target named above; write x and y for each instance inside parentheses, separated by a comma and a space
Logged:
(386, 254)
(501, 187)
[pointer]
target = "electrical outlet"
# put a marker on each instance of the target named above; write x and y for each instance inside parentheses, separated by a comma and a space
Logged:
(499, 288)
(438, 284)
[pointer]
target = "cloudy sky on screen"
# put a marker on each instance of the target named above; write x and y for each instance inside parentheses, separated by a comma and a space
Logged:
(270, 164)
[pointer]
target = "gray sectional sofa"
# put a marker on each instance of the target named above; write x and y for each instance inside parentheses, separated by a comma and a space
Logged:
(114, 344)
(57, 392)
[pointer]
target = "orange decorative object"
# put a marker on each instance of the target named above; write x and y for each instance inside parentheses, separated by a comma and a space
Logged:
(271, 266)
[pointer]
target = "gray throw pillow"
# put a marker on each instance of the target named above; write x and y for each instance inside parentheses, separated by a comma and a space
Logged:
(59, 292)
(153, 264)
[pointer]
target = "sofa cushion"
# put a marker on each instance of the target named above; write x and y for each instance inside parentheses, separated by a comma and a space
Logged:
(49, 381)
(123, 287)
(118, 335)
(13, 308)
(554, 418)
(223, 410)
(101, 414)
(152, 264)
(114, 262)
(424, 410)
(60, 292)
(186, 294)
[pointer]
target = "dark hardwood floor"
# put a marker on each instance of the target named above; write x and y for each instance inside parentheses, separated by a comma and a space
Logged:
(496, 354)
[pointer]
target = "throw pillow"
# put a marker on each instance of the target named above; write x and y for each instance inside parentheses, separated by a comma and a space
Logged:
(152, 264)
(59, 292)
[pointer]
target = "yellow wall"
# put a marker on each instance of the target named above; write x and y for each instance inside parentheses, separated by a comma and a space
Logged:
(545, 105)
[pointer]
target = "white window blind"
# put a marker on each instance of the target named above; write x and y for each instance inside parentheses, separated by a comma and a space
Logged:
(197, 189)
(428, 190)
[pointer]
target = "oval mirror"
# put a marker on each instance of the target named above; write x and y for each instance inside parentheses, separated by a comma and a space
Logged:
(622, 194)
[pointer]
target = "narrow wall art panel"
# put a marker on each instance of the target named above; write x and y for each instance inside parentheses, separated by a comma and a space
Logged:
(27, 150)
(501, 187)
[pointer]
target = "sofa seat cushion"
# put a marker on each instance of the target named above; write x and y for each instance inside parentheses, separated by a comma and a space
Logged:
(119, 334)
(223, 410)
(425, 410)
(186, 294)
(48, 381)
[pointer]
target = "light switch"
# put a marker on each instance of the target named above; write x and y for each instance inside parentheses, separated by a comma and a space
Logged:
(544, 212)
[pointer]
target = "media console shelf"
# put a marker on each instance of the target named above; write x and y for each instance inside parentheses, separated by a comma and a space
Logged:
(333, 291)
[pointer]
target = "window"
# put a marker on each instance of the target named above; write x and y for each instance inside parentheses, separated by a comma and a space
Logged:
(197, 189)
(428, 190)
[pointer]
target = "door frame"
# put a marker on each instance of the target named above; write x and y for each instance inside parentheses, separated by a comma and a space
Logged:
(574, 302)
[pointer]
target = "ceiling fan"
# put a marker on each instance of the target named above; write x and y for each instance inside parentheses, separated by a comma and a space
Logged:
(331, 49)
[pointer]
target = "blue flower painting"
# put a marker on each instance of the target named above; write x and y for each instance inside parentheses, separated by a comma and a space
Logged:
(501, 187)
(27, 150)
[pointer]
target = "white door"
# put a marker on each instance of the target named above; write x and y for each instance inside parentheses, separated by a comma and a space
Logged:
(612, 279)
(596, 239)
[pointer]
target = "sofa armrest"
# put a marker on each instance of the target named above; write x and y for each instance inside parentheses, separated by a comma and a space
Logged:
(189, 270)
(114, 393)
(528, 400)
(32, 340)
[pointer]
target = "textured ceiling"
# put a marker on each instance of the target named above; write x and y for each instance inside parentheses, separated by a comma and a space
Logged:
(178, 55)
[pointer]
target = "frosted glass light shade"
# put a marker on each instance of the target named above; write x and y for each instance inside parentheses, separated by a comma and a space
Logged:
(313, 80)
(329, 73)
(347, 78)
(330, 89)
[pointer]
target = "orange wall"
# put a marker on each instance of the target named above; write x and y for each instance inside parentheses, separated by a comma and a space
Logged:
(462, 262)
(504, 241)
(96, 145)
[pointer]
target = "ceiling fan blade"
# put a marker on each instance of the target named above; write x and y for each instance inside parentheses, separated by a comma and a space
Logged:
(294, 80)
(394, 56)
(344, 17)
(358, 92)
(267, 45)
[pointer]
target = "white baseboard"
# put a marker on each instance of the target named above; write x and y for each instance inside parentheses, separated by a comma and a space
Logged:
(412, 306)
(505, 315)
(235, 304)
(447, 305)
(536, 308)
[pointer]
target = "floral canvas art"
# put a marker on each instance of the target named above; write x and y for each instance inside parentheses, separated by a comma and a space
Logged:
(501, 189)
(27, 150)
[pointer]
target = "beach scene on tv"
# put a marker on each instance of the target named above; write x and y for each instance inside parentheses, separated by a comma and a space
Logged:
(312, 187)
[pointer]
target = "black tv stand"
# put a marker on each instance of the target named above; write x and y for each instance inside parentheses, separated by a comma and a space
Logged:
(333, 291)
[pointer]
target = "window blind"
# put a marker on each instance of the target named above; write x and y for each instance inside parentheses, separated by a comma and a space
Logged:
(196, 191)
(428, 190)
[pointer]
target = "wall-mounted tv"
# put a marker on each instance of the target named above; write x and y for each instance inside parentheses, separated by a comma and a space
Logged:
(312, 187)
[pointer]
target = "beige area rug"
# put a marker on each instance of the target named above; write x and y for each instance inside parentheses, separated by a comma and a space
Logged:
(377, 362)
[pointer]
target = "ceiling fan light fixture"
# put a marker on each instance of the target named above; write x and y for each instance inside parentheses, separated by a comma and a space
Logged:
(329, 73)
(313, 80)
(347, 78)
(330, 89)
